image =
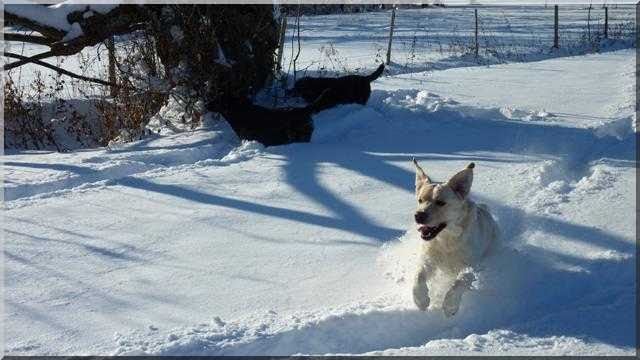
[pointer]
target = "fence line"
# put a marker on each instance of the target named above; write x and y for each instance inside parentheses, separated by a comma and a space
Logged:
(496, 34)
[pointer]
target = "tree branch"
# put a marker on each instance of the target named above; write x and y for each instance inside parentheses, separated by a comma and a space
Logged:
(48, 31)
(30, 59)
(32, 39)
(56, 69)
(96, 28)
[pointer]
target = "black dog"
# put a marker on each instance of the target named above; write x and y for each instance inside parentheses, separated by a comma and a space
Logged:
(345, 89)
(269, 126)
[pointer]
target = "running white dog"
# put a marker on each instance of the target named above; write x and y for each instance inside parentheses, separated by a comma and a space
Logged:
(457, 235)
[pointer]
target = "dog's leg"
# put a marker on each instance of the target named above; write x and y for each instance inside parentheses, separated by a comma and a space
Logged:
(453, 297)
(420, 289)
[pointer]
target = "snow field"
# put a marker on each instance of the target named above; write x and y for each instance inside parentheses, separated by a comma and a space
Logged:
(194, 243)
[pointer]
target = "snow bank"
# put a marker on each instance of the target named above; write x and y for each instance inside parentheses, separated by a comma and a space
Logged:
(502, 342)
(620, 128)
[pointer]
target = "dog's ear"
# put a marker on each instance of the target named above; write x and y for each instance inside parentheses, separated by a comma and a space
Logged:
(421, 176)
(460, 183)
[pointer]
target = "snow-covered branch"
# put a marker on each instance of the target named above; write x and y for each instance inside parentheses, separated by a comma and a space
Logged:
(68, 28)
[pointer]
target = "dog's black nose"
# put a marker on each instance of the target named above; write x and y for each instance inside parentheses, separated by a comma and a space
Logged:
(421, 217)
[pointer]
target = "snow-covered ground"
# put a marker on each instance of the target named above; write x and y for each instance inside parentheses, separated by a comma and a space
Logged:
(195, 243)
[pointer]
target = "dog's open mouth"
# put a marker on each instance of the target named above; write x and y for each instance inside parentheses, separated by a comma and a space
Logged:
(429, 232)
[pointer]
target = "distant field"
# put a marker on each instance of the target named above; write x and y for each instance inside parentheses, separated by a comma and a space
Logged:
(425, 36)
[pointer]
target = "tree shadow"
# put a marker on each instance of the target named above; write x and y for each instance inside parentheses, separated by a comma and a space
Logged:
(373, 159)
(365, 228)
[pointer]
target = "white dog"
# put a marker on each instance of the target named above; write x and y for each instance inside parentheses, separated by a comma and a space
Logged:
(457, 235)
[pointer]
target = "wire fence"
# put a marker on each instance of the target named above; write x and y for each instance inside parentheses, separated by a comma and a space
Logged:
(425, 39)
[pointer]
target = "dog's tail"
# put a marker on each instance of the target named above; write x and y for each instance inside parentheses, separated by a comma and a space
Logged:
(376, 74)
(322, 102)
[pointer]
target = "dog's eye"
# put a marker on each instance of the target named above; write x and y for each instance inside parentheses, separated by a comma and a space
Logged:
(440, 203)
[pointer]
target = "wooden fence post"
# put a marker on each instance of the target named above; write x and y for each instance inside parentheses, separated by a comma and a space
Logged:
(112, 65)
(589, 23)
(283, 31)
(476, 47)
(606, 22)
(555, 27)
(393, 21)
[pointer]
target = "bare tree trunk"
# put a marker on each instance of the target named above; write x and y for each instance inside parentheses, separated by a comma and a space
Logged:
(589, 23)
(295, 59)
(606, 22)
(112, 65)
(283, 32)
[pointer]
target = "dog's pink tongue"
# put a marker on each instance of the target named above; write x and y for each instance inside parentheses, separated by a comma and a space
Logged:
(423, 228)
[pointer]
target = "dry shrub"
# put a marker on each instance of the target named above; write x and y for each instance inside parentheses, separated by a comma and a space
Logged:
(191, 52)
(124, 117)
(37, 117)
(23, 124)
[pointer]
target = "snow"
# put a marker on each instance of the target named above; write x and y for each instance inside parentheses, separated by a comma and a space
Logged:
(56, 15)
(192, 242)
(74, 31)
(50, 177)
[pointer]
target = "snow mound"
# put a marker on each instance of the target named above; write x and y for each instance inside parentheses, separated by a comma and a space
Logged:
(620, 128)
(600, 178)
(505, 342)
(177, 116)
(524, 115)
(427, 103)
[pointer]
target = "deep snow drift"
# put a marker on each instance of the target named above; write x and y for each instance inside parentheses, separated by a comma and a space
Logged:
(195, 243)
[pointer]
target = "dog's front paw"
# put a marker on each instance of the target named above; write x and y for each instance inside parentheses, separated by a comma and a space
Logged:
(421, 297)
(450, 308)
(452, 300)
